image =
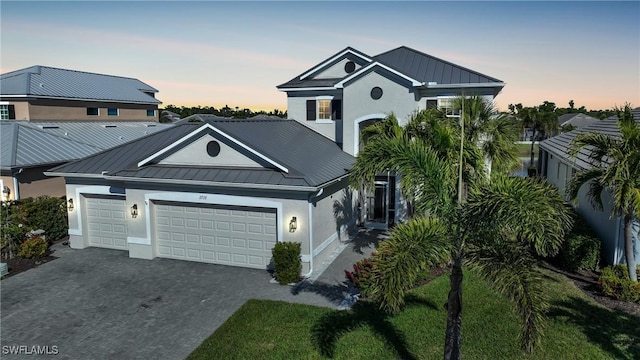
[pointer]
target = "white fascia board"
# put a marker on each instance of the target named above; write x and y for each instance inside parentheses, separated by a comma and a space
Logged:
(213, 183)
(308, 88)
(413, 81)
(199, 130)
(445, 86)
(333, 59)
(74, 175)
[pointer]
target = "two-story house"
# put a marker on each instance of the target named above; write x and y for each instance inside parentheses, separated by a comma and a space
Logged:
(350, 90)
(42, 93)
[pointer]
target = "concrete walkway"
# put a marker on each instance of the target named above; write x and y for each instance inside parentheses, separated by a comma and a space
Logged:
(98, 303)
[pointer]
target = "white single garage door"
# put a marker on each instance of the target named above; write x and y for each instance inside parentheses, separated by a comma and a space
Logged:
(107, 226)
(227, 235)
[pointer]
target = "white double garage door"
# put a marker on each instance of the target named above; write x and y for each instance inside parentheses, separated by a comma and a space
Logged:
(218, 234)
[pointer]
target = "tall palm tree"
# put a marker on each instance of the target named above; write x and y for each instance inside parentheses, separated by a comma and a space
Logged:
(615, 167)
(541, 120)
(499, 230)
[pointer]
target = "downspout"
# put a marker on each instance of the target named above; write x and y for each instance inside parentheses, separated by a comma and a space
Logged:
(310, 221)
(16, 188)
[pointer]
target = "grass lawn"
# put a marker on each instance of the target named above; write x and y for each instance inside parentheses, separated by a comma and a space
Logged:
(525, 149)
(578, 328)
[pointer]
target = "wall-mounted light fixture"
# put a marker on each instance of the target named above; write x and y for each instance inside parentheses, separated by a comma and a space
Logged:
(134, 211)
(5, 193)
(293, 224)
(70, 205)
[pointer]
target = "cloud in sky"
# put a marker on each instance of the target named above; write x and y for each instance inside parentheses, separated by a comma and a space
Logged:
(217, 53)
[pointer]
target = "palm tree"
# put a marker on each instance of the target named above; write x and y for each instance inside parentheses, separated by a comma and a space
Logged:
(615, 167)
(499, 231)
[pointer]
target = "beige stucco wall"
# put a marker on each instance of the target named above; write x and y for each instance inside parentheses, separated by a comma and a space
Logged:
(33, 183)
(51, 109)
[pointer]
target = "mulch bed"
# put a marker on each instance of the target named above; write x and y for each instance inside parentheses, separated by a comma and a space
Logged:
(18, 265)
(587, 281)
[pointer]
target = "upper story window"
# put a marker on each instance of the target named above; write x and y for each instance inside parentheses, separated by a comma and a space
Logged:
(324, 109)
(112, 111)
(446, 104)
(93, 111)
(7, 112)
(151, 112)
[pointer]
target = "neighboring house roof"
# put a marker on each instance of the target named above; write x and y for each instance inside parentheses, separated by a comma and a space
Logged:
(23, 146)
(100, 134)
(559, 145)
(577, 120)
(48, 82)
(309, 158)
(422, 69)
(30, 144)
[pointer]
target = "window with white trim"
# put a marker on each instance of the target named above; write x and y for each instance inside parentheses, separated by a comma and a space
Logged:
(4, 112)
(447, 105)
(324, 109)
(151, 112)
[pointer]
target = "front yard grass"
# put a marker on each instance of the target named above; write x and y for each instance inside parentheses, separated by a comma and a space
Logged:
(578, 328)
(524, 150)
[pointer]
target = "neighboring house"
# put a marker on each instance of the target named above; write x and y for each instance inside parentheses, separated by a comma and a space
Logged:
(575, 120)
(41, 93)
(558, 167)
(351, 90)
(30, 148)
(214, 190)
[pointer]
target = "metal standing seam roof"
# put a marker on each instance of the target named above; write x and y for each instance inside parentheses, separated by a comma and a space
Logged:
(311, 158)
(412, 63)
(25, 146)
(48, 82)
(103, 135)
(576, 119)
(559, 145)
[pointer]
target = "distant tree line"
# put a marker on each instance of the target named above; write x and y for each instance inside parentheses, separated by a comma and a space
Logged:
(226, 111)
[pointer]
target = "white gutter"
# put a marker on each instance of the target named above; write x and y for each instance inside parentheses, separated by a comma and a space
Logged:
(16, 187)
(445, 86)
(115, 101)
(311, 197)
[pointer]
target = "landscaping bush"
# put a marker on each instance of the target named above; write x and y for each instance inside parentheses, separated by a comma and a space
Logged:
(615, 282)
(46, 213)
(286, 259)
(362, 276)
(34, 247)
(580, 249)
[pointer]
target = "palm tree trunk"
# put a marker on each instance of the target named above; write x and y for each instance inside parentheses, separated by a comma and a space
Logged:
(533, 141)
(628, 247)
(454, 312)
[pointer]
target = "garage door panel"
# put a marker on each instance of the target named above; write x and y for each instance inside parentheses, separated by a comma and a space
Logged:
(215, 234)
(106, 223)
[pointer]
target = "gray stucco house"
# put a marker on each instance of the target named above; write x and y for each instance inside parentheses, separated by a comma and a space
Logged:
(557, 166)
(224, 191)
(350, 90)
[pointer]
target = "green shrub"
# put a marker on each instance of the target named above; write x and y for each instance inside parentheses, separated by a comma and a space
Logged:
(34, 247)
(46, 213)
(615, 282)
(581, 248)
(362, 276)
(286, 259)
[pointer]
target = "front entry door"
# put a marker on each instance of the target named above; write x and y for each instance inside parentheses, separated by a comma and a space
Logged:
(380, 212)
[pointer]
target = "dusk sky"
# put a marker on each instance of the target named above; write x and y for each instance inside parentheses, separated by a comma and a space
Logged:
(217, 53)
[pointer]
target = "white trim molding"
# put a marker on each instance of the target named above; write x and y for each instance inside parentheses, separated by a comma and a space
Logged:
(356, 129)
(333, 60)
(227, 136)
(362, 70)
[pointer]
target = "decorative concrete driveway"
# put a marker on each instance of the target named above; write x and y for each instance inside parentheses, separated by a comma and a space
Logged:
(98, 303)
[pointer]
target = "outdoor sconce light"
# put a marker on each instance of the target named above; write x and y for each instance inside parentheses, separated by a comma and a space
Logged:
(293, 224)
(70, 206)
(5, 193)
(134, 211)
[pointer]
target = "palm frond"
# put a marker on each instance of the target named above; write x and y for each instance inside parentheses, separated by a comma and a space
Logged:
(414, 246)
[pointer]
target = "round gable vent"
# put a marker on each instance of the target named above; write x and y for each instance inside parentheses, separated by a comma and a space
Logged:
(349, 67)
(376, 93)
(213, 148)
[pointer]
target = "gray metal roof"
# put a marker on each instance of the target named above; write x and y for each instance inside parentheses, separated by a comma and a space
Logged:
(24, 146)
(311, 158)
(427, 68)
(48, 82)
(412, 63)
(577, 119)
(101, 134)
(559, 145)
